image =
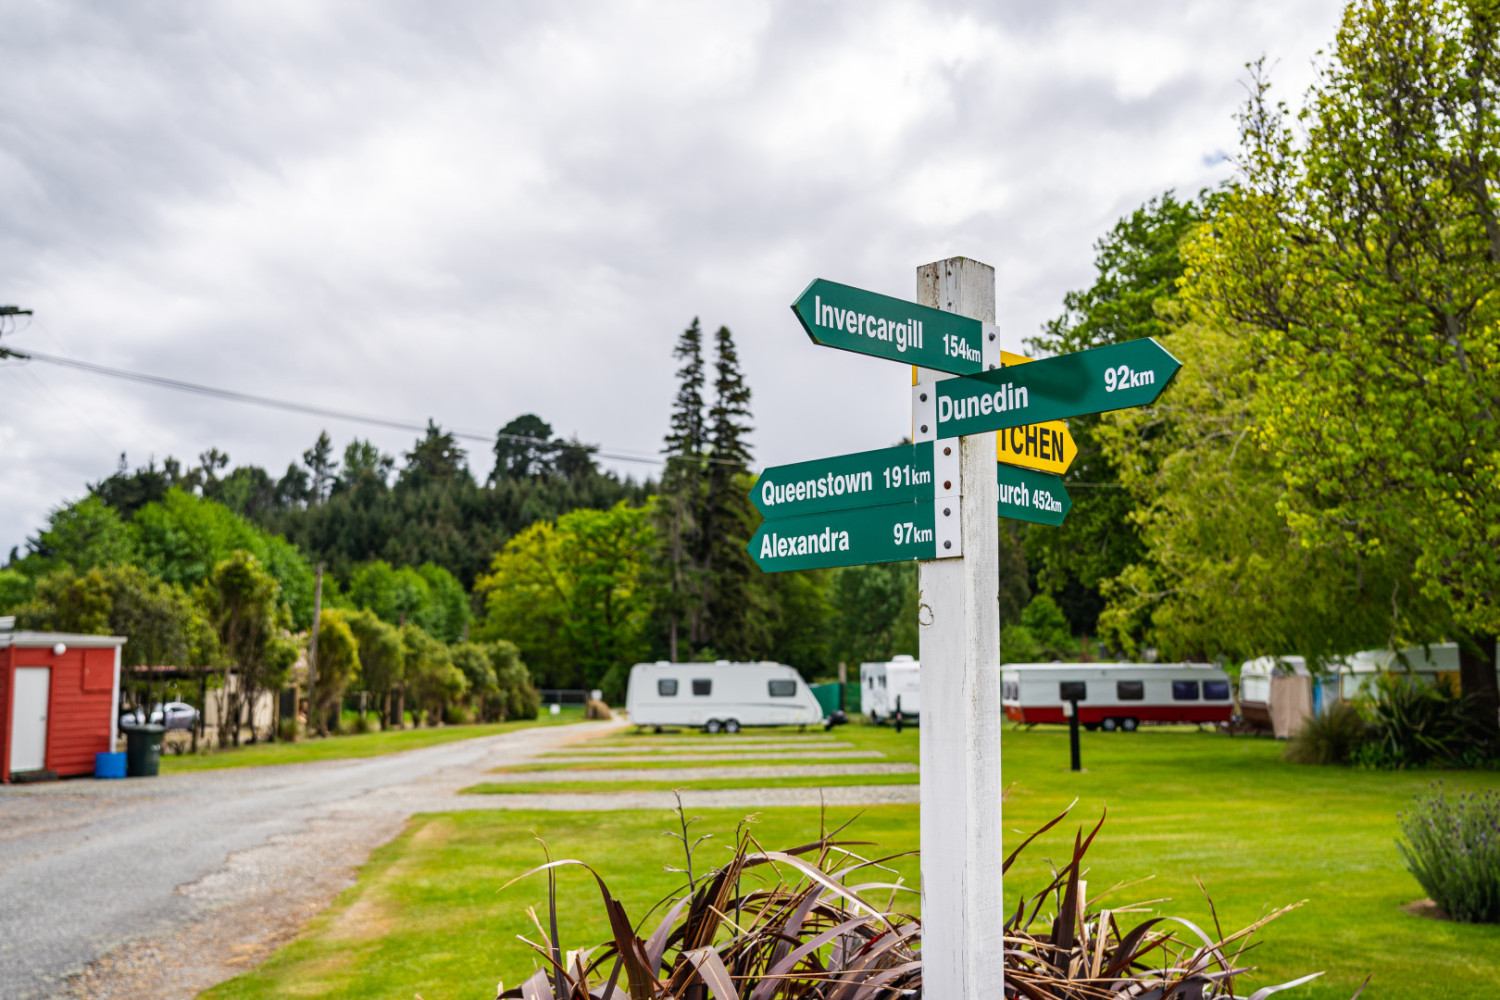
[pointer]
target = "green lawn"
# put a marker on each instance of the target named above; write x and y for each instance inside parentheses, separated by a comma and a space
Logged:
(426, 916)
(640, 785)
(347, 747)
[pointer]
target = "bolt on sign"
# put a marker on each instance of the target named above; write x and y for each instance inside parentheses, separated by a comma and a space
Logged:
(1068, 385)
(852, 319)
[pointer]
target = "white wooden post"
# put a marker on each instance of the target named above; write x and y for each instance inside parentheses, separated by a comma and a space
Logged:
(963, 906)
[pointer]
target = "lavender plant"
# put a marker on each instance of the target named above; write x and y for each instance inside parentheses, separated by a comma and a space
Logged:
(1452, 848)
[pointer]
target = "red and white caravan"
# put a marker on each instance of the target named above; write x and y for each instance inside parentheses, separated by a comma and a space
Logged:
(1114, 696)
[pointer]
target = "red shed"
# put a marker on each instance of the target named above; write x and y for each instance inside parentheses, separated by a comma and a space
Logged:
(58, 694)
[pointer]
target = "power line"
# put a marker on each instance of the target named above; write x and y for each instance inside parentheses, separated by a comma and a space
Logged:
(162, 382)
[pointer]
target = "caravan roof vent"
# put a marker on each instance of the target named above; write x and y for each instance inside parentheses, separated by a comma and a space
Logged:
(7, 623)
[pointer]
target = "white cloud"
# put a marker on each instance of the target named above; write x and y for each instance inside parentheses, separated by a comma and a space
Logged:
(512, 208)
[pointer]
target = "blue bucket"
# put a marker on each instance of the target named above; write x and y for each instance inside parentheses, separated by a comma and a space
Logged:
(109, 765)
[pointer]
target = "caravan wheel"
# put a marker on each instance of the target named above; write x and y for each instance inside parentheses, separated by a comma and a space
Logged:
(712, 726)
(731, 725)
(1110, 724)
(1129, 725)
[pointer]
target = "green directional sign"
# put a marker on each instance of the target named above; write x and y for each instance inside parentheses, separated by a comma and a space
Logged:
(1026, 495)
(902, 474)
(853, 319)
(1069, 385)
(893, 533)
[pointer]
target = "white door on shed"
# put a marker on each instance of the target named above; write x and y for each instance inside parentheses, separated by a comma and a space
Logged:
(28, 719)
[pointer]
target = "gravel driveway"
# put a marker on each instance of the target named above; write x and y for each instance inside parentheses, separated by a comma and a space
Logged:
(163, 887)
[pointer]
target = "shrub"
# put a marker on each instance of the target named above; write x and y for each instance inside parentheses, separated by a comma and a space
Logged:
(365, 724)
(287, 730)
(803, 930)
(457, 715)
(1330, 738)
(1417, 725)
(1452, 848)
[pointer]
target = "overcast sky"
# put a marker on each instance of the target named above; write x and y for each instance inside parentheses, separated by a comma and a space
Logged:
(472, 211)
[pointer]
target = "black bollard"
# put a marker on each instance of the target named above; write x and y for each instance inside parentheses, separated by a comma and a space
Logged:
(1073, 736)
(898, 713)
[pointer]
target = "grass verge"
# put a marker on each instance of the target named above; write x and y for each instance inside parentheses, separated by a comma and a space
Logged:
(348, 747)
(426, 917)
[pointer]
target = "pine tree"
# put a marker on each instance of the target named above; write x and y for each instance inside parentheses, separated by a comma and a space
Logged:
(320, 463)
(682, 487)
(728, 517)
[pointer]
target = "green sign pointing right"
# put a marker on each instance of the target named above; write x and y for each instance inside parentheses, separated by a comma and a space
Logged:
(1026, 495)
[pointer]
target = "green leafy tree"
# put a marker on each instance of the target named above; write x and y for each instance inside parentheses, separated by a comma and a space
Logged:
(382, 657)
(183, 538)
(1137, 265)
(1360, 257)
(322, 468)
(473, 661)
(1222, 574)
(518, 698)
(572, 594)
(242, 602)
(874, 612)
(524, 449)
(428, 596)
(337, 663)
(80, 536)
(15, 588)
(431, 678)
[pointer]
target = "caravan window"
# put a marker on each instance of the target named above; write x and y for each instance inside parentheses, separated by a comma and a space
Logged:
(1130, 690)
(666, 688)
(1184, 690)
(782, 689)
(1216, 690)
(1073, 691)
(1010, 691)
(703, 687)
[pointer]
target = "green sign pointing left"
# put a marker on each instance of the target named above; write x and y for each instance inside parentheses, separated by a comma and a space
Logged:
(892, 533)
(853, 319)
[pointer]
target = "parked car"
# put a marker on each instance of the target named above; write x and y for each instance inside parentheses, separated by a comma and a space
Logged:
(178, 715)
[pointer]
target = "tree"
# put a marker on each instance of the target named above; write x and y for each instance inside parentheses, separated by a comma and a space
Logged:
(322, 469)
(242, 602)
(874, 612)
(1137, 265)
(520, 699)
(681, 498)
(365, 468)
(382, 657)
(572, 595)
(1222, 574)
(338, 663)
(732, 622)
(1360, 262)
(473, 661)
(183, 538)
(80, 536)
(431, 677)
(523, 449)
(436, 459)
(428, 596)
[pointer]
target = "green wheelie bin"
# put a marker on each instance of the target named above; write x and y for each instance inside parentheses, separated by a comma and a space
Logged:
(142, 750)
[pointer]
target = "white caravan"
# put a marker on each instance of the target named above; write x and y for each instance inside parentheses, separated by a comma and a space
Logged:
(1429, 664)
(883, 685)
(1113, 696)
(720, 696)
(1258, 693)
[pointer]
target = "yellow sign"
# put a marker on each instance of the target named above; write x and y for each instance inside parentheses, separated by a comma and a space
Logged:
(1045, 447)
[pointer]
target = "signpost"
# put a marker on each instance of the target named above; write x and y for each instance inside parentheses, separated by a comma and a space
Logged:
(936, 501)
(1032, 496)
(1106, 378)
(853, 319)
